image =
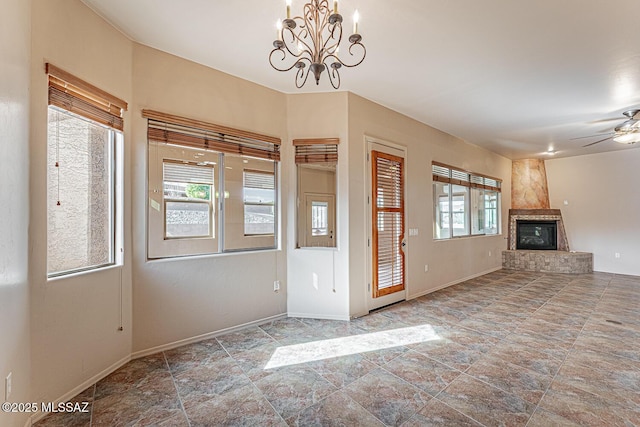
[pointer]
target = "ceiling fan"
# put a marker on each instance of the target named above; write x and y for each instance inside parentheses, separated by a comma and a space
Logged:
(627, 132)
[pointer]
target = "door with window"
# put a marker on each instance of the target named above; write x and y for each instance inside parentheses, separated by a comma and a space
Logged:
(387, 240)
(320, 220)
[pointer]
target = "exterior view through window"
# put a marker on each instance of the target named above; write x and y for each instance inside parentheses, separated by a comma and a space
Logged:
(465, 203)
(80, 193)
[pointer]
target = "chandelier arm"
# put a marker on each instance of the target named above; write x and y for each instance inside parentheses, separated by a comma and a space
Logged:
(330, 49)
(321, 26)
(284, 56)
(364, 54)
(332, 72)
(297, 40)
(311, 15)
(303, 73)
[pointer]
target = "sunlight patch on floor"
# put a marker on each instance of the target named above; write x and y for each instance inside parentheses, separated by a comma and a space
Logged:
(353, 344)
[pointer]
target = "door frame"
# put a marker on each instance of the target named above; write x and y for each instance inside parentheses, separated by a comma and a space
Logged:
(375, 144)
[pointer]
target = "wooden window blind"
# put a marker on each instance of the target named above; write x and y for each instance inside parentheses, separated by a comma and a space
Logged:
(453, 175)
(170, 129)
(323, 150)
(79, 97)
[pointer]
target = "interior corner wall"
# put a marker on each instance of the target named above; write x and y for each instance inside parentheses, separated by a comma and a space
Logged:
(449, 261)
(15, 347)
(75, 318)
(184, 298)
(602, 205)
(319, 277)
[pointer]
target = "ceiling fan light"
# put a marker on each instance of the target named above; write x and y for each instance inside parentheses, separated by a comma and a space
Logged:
(628, 138)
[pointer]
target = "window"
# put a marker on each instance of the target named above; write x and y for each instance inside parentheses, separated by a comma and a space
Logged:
(319, 218)
(83, 176)
(188, 207)
(259, 203)
(316, 160)
(464, 203)
(209, 192)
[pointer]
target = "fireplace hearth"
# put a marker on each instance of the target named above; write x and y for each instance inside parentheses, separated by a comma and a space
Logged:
(538, 227)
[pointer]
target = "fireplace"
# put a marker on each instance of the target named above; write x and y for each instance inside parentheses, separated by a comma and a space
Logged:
(536, 235)
(545, 216)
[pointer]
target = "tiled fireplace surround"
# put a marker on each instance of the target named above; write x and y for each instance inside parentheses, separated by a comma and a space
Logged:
(530, 201)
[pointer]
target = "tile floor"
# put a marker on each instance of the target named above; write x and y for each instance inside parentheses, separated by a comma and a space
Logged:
(505, 349)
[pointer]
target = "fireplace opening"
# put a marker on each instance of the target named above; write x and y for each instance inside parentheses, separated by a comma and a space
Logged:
(536, 235)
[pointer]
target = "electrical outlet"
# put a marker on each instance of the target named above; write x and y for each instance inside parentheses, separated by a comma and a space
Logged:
(617, 254)
(426, 268)
(7, 387)
(489, 253)
(276, 285)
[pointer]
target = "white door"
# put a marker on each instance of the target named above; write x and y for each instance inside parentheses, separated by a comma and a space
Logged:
(320, 220)
(387, 240)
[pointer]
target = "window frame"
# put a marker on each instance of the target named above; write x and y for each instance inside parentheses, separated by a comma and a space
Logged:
(232, 151)
(450, 177)
(78, 99)
(209, 202)
(113, 148)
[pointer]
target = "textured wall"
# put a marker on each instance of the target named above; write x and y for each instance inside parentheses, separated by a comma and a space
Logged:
(529, 185)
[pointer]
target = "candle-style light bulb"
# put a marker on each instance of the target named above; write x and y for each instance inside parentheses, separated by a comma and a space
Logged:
(288, 9)
(279, 29)
(335, 7)
(356, 18)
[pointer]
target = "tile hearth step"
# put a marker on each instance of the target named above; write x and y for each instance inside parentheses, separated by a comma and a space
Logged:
(548, 261)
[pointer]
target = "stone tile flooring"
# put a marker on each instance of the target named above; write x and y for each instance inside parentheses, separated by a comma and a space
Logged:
(504, 349)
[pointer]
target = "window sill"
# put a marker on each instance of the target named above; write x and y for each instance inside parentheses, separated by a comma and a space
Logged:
(213, 255)
(77, 273)
(475, 236)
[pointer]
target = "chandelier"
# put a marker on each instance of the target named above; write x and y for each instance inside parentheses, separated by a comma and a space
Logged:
(310, 43)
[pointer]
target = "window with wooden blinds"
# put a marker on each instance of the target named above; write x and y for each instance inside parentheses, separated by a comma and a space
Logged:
(175, 130)
(323, 150)
(465, 203)
(79, 97)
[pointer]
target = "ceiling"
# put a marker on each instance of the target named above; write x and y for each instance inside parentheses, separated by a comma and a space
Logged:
(518, 78)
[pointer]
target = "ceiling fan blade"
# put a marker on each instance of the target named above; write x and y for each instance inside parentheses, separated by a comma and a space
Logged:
(591, 136)
(597, 142)
(593, 122)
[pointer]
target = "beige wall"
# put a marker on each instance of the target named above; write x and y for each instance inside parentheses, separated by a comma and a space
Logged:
(73, 323)
(449, 261)
(603, 204)
(319, 277)
(15, 39)
(181, 298)
(75, 319)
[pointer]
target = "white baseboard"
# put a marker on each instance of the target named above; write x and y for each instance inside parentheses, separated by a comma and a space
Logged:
(319, 316)
(197, 338)
(82, 387)
(454, 282)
